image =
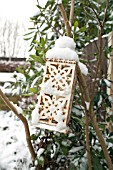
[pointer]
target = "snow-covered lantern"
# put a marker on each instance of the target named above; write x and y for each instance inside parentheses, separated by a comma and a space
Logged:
(55, 100)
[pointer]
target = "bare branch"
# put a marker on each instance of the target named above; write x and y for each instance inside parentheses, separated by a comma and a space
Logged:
(107, 5)
(24, 121)
(72, 12)
(64, 15)
(95, 13)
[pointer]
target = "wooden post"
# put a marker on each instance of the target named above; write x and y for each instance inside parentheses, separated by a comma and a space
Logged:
(110, 75)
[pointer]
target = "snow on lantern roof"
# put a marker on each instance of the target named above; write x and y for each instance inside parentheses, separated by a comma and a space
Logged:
(64, 49)
(65, 42)
(62, 53)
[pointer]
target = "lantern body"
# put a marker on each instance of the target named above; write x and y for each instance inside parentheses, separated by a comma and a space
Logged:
(56, 95)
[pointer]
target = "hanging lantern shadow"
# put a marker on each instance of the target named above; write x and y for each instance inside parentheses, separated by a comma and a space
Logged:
(56, 95)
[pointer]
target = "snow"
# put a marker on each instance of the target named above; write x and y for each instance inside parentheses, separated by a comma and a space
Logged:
(110, 99)
(6, 90)
(19, 110)
(14, 153)
(65, 42)
(47, 88)
(83, 68)
(52, 108)
(35, 115)
(59, 117)
(7, 77)
(31, 73)
(36, 13)
(76, 149)
(100, 101)
(108, 83)
(19, 76)
(34, 82)
(40, 152)
(54, 150)
(64, 49)
(87, 105)
(78, 110)
(62, 53)
(53, 128)
(61, 125)
(59, 1)
(36, 162)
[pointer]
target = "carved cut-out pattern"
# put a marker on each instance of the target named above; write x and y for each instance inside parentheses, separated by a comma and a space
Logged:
(59, 75)
(59, 78)
(50, 106)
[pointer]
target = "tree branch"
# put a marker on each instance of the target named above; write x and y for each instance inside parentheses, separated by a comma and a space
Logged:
(95, 13)
(72, 12)
(107, 4)
(86, 126)
(24, 121)
(64, 15)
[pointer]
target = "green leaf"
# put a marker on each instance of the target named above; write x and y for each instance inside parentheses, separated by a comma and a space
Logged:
(110, 140)
(40, 80)
(41, 162)
(32, 46)
(64, 150)
(72, 167)
(82, 29)
(75, 24)
(29, 33)
(27, 38)
(96, 161)
(37, 59)
(34, 90)
(34, 137)
(97, 98)
(42, 41)
(31, 28)
(111, 118)
(34, 38)
(39, 6)
(20, 70)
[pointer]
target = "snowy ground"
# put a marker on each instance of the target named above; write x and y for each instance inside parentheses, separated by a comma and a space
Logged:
(14, 154)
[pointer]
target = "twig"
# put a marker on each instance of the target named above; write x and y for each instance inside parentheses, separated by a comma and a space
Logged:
(86, 126)
(95, 13)
(105, 14)
(87, 141)
(24, 121)
(72, 12)
(64, 15)
(99, 64)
